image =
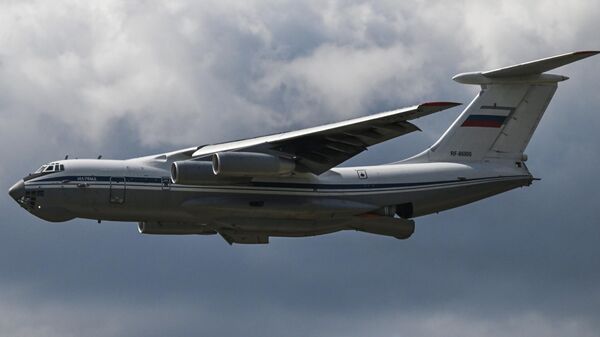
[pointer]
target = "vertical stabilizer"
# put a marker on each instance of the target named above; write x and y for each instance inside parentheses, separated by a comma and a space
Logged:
(499, 122)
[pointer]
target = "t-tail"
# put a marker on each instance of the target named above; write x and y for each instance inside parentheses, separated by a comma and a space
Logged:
(499, 122)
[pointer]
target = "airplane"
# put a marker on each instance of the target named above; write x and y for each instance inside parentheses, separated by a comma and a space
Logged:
(288, 184)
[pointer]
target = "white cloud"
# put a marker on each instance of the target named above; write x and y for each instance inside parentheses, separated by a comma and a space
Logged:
(187, 72)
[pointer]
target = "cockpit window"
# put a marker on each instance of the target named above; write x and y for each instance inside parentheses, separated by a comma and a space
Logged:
(45, 169)
(52, 167)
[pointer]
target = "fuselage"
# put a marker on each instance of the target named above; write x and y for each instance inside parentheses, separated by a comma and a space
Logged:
(140, 189)
(289, 184)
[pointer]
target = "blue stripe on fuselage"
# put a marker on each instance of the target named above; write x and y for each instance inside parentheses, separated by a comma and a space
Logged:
(147, 180)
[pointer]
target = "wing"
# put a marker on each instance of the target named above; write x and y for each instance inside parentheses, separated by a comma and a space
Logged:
(320, 148)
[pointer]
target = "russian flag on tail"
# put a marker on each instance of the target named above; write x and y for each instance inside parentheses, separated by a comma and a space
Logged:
(484, 121)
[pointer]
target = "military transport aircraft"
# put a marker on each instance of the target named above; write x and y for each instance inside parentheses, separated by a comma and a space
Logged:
(288, 185)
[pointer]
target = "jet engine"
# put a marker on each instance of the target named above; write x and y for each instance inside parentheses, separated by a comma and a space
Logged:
(190, 172)
(176, 228)
(249, 164)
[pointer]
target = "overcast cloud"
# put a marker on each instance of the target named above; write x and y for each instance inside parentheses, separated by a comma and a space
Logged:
(126, 79)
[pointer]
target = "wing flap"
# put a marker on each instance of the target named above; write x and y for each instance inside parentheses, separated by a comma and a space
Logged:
(319, 152)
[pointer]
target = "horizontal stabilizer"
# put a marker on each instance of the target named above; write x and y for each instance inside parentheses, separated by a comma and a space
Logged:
(528, 71)
(539, 66)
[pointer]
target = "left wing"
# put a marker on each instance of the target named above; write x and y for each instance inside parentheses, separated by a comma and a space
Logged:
(320, 148)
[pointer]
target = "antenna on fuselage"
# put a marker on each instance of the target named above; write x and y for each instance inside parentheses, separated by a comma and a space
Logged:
(66, 157)
(100, 157)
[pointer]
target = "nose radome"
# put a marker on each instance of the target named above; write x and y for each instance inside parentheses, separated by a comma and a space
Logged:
(17, 190)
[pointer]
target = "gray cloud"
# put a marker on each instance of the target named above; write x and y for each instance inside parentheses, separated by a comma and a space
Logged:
(134, 78)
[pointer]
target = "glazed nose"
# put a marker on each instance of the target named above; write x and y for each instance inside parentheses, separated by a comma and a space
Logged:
(17, 190)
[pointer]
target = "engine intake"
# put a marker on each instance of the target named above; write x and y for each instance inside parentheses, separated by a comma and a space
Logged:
(249, 164)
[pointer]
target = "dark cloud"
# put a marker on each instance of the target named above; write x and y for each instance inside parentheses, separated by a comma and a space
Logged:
(135, 78)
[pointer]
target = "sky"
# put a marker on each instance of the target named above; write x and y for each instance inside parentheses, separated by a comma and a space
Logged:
(132, 78)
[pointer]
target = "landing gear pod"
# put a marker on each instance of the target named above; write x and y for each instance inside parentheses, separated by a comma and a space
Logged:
(175, 228)
(383, 225)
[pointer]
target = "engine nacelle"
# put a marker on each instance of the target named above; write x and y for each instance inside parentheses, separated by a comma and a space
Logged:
(191, 172)
(249, 164)
(175, 228)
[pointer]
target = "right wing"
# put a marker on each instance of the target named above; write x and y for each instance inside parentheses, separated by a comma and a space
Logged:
(321, 148)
